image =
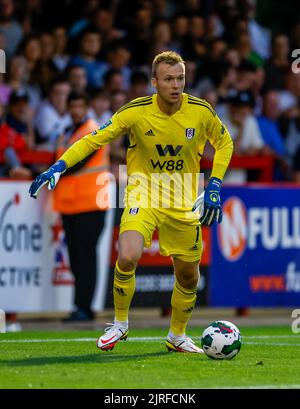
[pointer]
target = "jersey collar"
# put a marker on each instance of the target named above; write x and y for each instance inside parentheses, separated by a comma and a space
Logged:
(182, 108)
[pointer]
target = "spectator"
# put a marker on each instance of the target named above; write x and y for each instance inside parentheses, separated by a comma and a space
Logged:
(191, 78)
(244, 130)
(245, 76)
(86, 13)
(259, 36)
(83, 218)
(5, 90)
(102, 20)
(279, 62)
(232, 56)
(244, 48)
(214, 26)
(16, 136)
(9, 27)
(292, 138)
(45, 70)
(257, 89)
(273, 139)
(161, 38)
(180, 29)
(224, 78)
(194, 44)
(18, 76)
(215, 50)
(117, 58)
(118, 99)
(242, 124)
(113, 81)
(139, 34)
(139, 85)
(89, 49)
(52, 118)
(32, 15)
(77, 78)
(30, 48)
(211, 97)
(100, 107)
(60, 58)
(268, 124)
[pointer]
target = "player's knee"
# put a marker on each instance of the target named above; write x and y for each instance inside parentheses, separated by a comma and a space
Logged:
(189, 282)
(189, 279)
(128, 261)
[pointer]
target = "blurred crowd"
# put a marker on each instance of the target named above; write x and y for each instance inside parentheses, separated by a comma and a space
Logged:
(104, 49)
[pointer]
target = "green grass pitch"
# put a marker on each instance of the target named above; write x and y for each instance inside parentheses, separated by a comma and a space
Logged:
(269, 358)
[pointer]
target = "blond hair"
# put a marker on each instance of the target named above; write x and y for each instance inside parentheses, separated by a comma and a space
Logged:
(168, 57)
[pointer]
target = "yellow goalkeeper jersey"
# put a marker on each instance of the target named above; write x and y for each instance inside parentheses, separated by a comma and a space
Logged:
(163, 157)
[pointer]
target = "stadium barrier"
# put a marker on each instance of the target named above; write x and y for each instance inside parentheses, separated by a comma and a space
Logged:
(264, 164)
(255, 260)
(34, 267)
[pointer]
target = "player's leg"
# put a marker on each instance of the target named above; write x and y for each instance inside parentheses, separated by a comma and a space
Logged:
(183, 302)
(180, 237)
(131, 245)
(136, 229)
(184, 294)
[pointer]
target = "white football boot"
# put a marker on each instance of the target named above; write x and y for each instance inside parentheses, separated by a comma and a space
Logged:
(112, 335)
(182, 344)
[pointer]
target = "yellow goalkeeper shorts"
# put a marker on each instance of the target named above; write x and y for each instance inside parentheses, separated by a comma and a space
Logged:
(179, 236)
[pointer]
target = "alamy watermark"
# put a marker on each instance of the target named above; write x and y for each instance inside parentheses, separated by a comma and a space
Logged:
(296, 62)
(296, 323)
(155, 190)
(2, 62)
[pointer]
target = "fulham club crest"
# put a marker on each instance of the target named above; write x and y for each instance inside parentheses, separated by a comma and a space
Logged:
(189, 133)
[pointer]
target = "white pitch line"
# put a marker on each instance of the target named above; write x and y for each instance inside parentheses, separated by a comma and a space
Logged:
(271, 336)
(275, 344)
(146, 339)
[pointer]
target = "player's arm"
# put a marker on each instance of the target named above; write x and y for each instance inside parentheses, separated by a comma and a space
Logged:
(220, 139)
(210, 202)
(114, 128)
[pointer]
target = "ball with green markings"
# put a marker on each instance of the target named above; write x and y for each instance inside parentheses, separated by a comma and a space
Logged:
(221, 340)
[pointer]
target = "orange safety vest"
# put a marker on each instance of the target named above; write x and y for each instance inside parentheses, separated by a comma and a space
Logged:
(77, 193)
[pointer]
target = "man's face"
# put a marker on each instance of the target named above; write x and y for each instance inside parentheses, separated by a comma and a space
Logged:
(118, 58)
(271, 105)
(78, 78)
(169, 81)
(78, 110)
(91, 44)
(19, 109)
(239, 113)
(6, 9)
(59, 94)
(115, 83)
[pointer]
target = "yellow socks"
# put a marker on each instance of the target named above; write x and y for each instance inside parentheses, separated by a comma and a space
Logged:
(183, 301)
(124, 286)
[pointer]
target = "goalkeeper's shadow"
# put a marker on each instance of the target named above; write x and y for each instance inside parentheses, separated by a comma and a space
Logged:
(98, 357)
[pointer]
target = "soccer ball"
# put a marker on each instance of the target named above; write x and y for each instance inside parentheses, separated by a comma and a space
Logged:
(221, 340)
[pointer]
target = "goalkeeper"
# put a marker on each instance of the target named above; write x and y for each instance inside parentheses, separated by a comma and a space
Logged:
(167, 133)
